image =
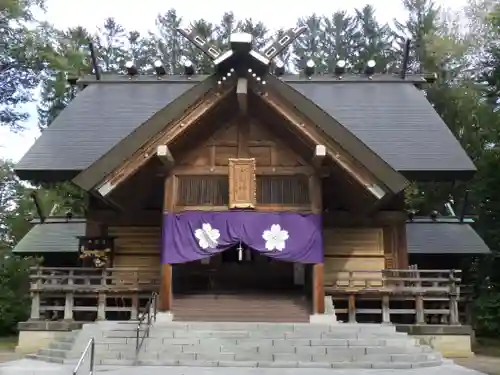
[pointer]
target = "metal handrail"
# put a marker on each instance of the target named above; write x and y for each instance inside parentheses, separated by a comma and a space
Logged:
(149, 314)
(90, 346)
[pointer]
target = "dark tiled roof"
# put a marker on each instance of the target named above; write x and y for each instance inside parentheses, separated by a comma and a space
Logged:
(443, 238)
(394, 119)
(390, 116)
(52, 237)
(95, 121)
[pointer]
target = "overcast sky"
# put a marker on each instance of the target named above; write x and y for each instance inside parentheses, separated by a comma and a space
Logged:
(140, 15)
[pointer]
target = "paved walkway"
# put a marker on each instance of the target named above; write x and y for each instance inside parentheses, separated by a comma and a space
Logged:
(488, 365)
(31, 367)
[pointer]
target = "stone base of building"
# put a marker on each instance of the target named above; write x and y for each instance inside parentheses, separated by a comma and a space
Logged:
(164, 317)
(323, 319)
(35, 335)
(450, 341)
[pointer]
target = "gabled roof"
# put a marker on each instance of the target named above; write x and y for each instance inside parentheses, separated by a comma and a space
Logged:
(96, 120)
(52, 237)
(343, 136)
(390, 116)
(443, 237)
(394, 119)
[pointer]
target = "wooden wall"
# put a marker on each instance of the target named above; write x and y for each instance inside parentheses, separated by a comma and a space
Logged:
(282, 176)
(352, 249)
(285, 182)
(357, 242)
(137, 247)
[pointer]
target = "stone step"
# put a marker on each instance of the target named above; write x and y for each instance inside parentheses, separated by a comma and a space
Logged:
(231, 326)
(54, 353)
(284, 364)
(159, 342)
(249, 345)
(345, 355)
(61, 345)
(39, 357)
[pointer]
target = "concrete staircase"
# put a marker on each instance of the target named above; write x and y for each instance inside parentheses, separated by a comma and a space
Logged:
(281, 345)
(57, 350)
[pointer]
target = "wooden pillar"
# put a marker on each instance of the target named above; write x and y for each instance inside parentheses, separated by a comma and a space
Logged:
(402, 247)
(166, 288)
(318, 289)
(166, 269)
(318, 284)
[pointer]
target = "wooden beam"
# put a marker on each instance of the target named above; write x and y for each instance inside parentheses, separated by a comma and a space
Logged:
(319, 156)
(318, 289)
(242, 94)
(166, 294)
(168, 135)
(344, 160)
(163, 153)
(166, 288)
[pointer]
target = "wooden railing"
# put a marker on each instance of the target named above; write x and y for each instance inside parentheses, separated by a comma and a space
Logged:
(409, 296)
(427, 296)
(89, 290)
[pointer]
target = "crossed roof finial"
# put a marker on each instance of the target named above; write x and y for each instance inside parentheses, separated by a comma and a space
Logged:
(241, 57)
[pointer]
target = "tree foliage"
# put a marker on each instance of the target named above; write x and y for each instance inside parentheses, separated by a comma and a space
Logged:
(15, 298)
(20, 64)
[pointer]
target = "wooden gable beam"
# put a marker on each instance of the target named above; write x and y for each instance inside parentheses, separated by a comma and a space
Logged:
(342, 158)
(242, 94)
(163, 153)
(319, 156)
(166, 136)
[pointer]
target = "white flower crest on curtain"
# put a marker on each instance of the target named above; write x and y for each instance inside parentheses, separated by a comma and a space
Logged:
(207, 236)
(275, 238)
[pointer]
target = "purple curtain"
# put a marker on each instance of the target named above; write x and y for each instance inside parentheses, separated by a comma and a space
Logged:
(195, 235)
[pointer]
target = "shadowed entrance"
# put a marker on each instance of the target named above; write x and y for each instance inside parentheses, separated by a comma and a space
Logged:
(240, 285)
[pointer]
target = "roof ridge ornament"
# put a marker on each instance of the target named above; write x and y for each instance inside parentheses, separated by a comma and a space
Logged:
(241, 58)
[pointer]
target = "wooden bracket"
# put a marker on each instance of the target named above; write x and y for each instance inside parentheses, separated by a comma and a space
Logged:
(242, 94)
(319, 156)
(163, 153)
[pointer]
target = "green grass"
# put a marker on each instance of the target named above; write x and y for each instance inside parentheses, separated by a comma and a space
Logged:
(8, 342)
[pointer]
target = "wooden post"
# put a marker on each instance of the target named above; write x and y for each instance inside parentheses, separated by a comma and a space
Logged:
(419, 308)
(35, 306)
(134, 306)
(166, 288)
(318, 284)
(101, 306)
(318, 289)
(69, 301)
(101, 297)
(386, 312)
(35, 296)
(352, 308)
(166, 269)
(454, 318)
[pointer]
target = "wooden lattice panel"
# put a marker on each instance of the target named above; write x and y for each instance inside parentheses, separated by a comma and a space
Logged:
(242, 185)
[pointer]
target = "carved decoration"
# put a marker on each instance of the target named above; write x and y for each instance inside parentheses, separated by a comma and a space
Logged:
(242, 185)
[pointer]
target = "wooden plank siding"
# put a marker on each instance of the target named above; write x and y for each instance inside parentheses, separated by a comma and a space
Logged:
(137, 247)
(352, 249)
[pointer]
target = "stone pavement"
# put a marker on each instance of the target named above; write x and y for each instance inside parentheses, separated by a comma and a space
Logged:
(32, 367)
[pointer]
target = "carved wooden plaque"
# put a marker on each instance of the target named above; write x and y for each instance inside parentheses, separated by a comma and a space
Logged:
(242, 186)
